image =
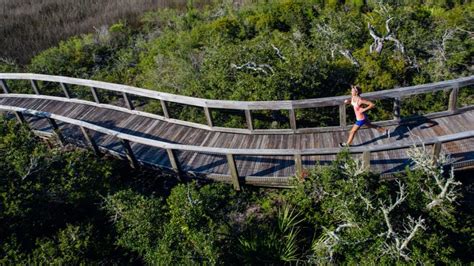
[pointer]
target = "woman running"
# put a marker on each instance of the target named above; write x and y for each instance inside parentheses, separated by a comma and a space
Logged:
(361, 117)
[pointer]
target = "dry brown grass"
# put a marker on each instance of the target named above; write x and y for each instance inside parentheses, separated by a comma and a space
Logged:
(30, 26)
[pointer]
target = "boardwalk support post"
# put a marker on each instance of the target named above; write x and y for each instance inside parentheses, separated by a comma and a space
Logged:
(129, 153)
(57, 131)
(248, 119)
(165, 109)
(4, 86)
(95, 95)
(292, 119)
(436, 151)
(173, 161)
(127, 100)
(34, 84)
(20, 117)
(342, 115)
(453, 98)
(299, 166)
(233, 171)
(65, 90)
(90, 141)
(396, 108)
(366, 160)
(208, 116)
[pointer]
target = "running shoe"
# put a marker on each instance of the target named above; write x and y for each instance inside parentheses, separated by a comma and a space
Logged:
(343, 144)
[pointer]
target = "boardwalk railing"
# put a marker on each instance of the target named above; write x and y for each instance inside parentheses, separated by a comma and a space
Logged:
(397, 95)
(233, 176)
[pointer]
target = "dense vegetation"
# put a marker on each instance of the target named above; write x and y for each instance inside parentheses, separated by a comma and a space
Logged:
(66, 206)
(276, 51)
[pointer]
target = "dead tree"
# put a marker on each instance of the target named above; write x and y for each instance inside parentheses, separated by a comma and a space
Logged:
(379, 41)
(397, 245)
(333, 41)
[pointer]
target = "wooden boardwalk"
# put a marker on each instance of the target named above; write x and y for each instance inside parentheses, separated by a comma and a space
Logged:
(272, 170)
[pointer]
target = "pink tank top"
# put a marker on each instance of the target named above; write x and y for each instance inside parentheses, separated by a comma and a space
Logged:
(357, 109)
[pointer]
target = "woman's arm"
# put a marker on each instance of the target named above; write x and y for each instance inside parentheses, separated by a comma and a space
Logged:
(369, 104)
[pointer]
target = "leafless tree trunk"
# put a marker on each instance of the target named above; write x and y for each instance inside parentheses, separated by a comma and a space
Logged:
(379, 41)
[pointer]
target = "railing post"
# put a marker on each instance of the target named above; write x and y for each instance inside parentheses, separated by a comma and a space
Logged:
(396, 108)
(34, 84)
(208, 116)
(366, 160)
(248, 119)
(90, 141)
(173, 161)
(65, 90)
(129, 153)
(57, 131)
(342, 115)
(20, 117)
(436, 151)
(95, 95)
(165, 109)
(127, 100)
(299, 165)
(4, 86)
(233, 171)
(453, 98)
(292, 119)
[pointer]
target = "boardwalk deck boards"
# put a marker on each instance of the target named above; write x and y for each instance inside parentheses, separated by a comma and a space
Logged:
(260, 169)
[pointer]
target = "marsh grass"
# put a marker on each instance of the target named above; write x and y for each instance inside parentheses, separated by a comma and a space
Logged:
(30, 26)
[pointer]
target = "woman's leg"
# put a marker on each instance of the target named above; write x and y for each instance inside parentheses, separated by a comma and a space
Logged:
(351, 134)
(379, 128)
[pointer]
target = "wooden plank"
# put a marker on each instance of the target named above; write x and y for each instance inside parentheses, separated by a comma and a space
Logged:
(292, 117)
(248, 119)
(164, 107)
(129, 153)
(57, 131)
(233, 171)
(366, 160)
(173, 160)
(20, 117)
(287, 152)
(65, 90)
(241, 105)
(34, 84)
(95, 95)
(453, 98)
(396, 108)
(90, 141)
(127, 100)
(342, 115)
(298, 165)
(4, 86)
(208, 117)
(436, 151)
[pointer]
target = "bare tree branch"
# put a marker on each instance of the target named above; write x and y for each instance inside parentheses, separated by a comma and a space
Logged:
(447, 191)
(377, 46)
(401, 196)
(278, 52)
(254, 67)
(347, 54)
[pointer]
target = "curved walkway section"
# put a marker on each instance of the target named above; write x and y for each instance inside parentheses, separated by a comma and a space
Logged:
(265, 157)
(269, 169)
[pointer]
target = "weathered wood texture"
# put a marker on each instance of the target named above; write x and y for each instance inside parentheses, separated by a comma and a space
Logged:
(258, 159)
(396, 94)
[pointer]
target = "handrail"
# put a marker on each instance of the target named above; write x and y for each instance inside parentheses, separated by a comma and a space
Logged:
(247, 106)
(229, 153)
(223, 151)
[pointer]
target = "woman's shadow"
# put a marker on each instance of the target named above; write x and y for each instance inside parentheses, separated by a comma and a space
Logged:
(404, 128)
